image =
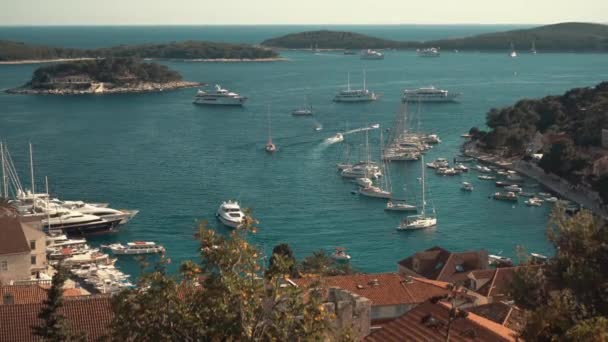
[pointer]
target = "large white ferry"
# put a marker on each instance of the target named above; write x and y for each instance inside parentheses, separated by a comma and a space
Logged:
(356, 95)
(428, 94)
(221, 97)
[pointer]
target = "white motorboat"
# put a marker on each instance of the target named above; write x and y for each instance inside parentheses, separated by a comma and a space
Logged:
(371, 54)
(551, 199)
(220, 97)
(362, 171)
(495, 260)
(339, 137)
(137, 247)
(428, 94)
(364, 182)
(343, 166)
(374, 191)
(486, 177)
(93, 256)
(466, 186)
(230, 214)
(423, 220)
(395, 205)
(514, 188)
(108, 214)
(538, 258)
(447, 171)
(534, 202)
(428, 52)
(461, 167)
(438, 163)
(340, 254)
(356, 95)
(506, 196)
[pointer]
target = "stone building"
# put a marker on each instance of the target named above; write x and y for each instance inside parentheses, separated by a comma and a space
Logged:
(22, 251)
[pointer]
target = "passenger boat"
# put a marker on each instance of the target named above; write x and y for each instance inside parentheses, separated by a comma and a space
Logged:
(428, 52)
(137, 247)
(220, 97)
(340, 254)
(356, 95)
(508, 196)
(466, 186)
(423, 220)
(428, 94)
(371, 54)
(230, 214)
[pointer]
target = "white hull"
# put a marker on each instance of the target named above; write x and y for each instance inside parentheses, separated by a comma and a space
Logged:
(421, 223)
(228, 223)
(412, 98)
(377, 193)
(138, 251)
(367, 98)
(400, 207)
(228, 101)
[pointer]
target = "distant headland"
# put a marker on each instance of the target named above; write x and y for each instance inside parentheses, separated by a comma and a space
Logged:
(101, 76)
(563, 37)
(15, 52)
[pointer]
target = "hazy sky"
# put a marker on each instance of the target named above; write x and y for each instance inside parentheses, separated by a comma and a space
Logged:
(206, 12)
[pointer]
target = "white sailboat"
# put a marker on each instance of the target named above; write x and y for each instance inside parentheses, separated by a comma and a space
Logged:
(305, 110)
(533, 48)
(270, 146)
(513, 53)
(376, 191)
(423, 220)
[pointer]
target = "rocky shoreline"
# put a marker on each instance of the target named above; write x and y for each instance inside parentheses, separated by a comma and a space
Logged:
(202, 60)
(101, 88)
(40, 61)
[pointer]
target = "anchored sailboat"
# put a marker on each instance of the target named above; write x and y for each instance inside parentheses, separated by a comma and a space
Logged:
(270, 146)
(423, 220)
(305, 110)
(376, 191)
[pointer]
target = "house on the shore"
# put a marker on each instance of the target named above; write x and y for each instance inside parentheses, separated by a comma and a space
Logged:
(440, 264)
(22, 251)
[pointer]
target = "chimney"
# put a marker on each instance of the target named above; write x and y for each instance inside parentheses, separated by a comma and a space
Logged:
(8, 299)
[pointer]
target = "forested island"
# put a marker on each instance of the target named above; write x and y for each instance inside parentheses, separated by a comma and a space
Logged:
(578, 37)
(189, 50)
(565, 134)
(98, 76)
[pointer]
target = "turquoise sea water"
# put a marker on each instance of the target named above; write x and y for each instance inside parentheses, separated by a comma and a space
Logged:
(176, 161)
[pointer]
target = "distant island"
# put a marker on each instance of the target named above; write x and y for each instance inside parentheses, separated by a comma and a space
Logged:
(100, 76)
(578, 37)
(16, 52)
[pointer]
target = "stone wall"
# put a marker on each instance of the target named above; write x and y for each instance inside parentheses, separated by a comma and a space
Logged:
(352, 312)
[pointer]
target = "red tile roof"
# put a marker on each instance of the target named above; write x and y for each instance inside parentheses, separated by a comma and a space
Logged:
(440, 264)
(502, 313)
(428, 322)
(383, 288)
(12, 238)
(27, 294)
(90, 315)
(500, 282)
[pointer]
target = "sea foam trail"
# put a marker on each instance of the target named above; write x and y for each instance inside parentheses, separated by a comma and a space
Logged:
(339, 137)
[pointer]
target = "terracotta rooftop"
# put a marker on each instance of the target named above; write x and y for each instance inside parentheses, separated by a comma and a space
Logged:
(28, 294)
(12, 238)
(502, 313)
(440, 264)
(90, 315)
(383, 288)
(499, 284)
(428, 322)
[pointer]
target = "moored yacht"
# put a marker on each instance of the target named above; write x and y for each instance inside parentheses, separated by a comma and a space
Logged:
(137, 247)
(423, 220)
(371, 54)
(428, 94)
(374, 191)
(230, 214)
(356, 95)
(220, 97)
(428, 52)
(75, 223)
(396, 205)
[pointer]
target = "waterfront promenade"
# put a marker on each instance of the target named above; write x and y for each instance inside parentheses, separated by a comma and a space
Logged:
(584, 196)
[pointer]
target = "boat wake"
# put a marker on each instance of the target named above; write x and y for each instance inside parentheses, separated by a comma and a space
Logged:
(363, 129)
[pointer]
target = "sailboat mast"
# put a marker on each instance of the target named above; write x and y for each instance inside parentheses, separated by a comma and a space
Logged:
(348, 81)
(423, 195)
(364, 88)
(3, 192)
(269, 127)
